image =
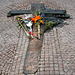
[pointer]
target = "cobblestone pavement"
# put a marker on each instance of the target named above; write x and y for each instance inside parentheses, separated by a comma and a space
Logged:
(58, 48)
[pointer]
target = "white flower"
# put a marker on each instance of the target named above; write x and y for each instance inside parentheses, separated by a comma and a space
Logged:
(27, 16)
(29, 24)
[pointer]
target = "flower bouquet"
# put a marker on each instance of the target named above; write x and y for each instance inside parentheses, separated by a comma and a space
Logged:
(37, 19)
(29, 20)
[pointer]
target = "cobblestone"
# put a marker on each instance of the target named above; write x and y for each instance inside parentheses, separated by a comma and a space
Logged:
(58, 49)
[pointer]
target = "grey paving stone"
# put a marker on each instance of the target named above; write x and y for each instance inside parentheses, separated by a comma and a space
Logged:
(58, 48)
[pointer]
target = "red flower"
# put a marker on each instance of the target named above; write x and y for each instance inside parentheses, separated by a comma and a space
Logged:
(30, 33)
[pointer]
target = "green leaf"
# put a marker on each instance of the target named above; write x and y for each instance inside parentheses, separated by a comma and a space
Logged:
(49, 24)
(38, 23)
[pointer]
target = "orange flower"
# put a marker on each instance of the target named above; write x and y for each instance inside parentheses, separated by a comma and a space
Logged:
(36, 18)
(18, 19)
(41, 21)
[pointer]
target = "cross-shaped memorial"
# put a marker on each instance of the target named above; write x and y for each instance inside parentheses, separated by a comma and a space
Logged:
(33, 51)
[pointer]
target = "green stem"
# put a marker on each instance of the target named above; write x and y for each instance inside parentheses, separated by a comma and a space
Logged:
(23, 29)
(38, 31)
